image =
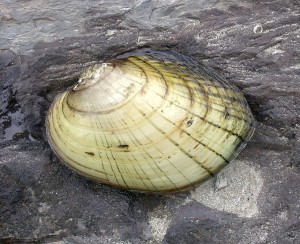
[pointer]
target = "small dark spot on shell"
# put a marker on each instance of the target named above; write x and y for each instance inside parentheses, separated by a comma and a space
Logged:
(189, 123)
(123, 146)
(90, 153)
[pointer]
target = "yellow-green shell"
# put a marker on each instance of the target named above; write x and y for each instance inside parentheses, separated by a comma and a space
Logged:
(150, 121)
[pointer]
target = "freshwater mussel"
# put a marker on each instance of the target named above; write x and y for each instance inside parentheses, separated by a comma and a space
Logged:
(149, 121)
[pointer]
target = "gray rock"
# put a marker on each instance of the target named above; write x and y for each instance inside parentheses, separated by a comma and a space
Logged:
(45, 46)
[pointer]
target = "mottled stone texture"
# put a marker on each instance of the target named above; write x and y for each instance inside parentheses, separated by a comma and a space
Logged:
(46, 44)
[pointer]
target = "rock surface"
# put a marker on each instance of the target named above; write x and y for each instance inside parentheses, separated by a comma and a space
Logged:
(44, 47)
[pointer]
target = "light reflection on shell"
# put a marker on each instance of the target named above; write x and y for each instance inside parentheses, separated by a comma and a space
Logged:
(150, 121)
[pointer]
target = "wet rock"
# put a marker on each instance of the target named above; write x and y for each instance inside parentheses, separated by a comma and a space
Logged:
(44, 48)
(10, 193)
(239, 196)
(196, 223)
(7, 57)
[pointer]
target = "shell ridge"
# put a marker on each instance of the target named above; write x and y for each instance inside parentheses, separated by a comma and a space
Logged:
(166, 84)
(185, 152)
(191, 60)
(198, 141)
(54, 146)
(176, 144)
(167, 177)
(166, 93)
(210, 94)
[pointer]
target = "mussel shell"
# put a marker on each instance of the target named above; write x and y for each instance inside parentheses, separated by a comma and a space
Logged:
(150, 121)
